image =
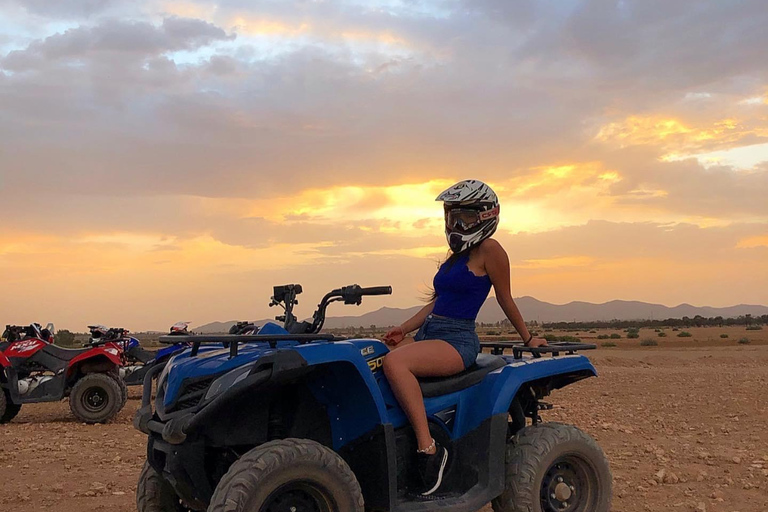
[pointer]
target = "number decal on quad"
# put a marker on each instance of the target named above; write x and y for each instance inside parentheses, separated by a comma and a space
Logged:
(375, 364)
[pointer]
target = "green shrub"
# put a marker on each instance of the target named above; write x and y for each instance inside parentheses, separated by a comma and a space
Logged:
(684, 334)
(633, 334)
(64, 338)
(602, 336)
(615, 336)
(723, 335)
(662, 335)
(649, 342)
(552, 337)
(607, 344)
(755, 328)
(744, 341)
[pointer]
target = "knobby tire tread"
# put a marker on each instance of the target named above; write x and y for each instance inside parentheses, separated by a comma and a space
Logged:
(243, 477)
(524, 458)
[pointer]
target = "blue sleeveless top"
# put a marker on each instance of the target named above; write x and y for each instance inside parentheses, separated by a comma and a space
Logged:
(460, 293)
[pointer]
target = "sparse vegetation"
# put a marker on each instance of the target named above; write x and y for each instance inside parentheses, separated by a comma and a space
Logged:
(615, 336)
(633, 334)
(592, 332)
(607, 344)
(662, 335)
(684, 334)
(675, 329)
(744, 341)
(723, 336)
(64, 338)
(552, 337)
(649, 342)
(602, 336)
(755, 328)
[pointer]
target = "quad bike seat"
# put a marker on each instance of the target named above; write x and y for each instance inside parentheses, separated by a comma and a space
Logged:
(64, 354)
(437, 386)
(141, 355)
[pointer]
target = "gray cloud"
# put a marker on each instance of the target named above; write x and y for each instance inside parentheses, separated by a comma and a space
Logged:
(490, 89)
(119, 39)
(63, 8)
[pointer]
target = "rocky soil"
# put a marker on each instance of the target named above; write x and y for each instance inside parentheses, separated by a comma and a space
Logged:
(684, 429)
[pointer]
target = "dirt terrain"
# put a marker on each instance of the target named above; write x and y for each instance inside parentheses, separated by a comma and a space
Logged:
(683, 424)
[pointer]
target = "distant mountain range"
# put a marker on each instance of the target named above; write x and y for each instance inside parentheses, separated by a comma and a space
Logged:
(533, 309)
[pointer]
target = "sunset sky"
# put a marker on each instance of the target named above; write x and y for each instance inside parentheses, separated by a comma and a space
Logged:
(172, 160)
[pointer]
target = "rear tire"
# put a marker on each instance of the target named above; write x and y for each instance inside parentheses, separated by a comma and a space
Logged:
(552, 467)
(289, 474)
(155, 494)
(8, 409)
(95, 398)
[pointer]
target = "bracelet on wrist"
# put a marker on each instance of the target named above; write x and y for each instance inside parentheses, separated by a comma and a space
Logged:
(528, 341)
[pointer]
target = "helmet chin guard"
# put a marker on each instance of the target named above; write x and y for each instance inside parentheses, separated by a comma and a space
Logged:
(469, 195)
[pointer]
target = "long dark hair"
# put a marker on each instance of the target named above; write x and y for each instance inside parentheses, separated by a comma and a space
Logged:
(450, 260)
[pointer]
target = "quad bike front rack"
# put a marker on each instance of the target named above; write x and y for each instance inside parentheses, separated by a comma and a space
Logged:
(517, 347)
(232, 341)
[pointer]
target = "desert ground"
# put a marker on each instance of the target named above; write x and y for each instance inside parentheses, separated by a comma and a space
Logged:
(683, 424)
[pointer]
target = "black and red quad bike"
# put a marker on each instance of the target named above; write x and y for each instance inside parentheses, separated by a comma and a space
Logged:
(33, 370)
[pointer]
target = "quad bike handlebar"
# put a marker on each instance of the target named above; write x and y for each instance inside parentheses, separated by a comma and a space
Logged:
(302, 332)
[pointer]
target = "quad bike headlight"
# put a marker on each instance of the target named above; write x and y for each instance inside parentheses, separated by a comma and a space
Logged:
(226, 381)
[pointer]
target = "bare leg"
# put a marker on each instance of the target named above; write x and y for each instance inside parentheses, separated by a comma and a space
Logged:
(406, 341)
(428, 358)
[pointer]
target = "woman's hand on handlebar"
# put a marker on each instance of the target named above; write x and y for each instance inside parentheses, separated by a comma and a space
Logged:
(394, 336)
(536, 342)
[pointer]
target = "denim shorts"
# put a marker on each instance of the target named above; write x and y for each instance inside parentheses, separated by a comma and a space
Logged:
(459, 333)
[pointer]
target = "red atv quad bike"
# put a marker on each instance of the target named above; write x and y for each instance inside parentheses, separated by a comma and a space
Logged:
(34, 370)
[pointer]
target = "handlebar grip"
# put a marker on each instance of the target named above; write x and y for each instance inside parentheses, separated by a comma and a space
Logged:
(376, 290)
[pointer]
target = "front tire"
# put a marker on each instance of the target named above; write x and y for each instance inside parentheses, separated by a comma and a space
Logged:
(285, 475)
(553, 467)
(8, 409)
(95, 398)
(155, 494)
(123, 390)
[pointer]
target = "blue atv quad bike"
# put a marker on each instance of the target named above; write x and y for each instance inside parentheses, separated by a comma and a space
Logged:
(290, 420)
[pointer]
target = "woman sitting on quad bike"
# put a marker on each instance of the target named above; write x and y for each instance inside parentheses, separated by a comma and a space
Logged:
(446, 341)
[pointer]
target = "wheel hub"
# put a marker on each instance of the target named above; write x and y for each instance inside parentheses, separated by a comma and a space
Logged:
(562, 492)
(94, 399)
(296, 497)
(566, 486)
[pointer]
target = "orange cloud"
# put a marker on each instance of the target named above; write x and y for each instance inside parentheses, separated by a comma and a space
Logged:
(680, 139)
(752, 242)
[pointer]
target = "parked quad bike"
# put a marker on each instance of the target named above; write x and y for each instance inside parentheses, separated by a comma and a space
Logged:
(292, 420)
(138, 361)
(34, 370)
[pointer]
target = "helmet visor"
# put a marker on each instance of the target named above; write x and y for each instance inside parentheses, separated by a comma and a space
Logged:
(464, 220)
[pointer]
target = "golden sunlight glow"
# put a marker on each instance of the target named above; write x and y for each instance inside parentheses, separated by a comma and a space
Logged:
(752, 242)
(642, 130)
(188, 9)
(550, 263)
(256, 26)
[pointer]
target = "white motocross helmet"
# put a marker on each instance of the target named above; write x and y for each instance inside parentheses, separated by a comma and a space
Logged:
(471, 214)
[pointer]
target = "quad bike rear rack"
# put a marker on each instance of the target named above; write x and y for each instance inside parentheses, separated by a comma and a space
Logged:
(233, 340)
(517, 347)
